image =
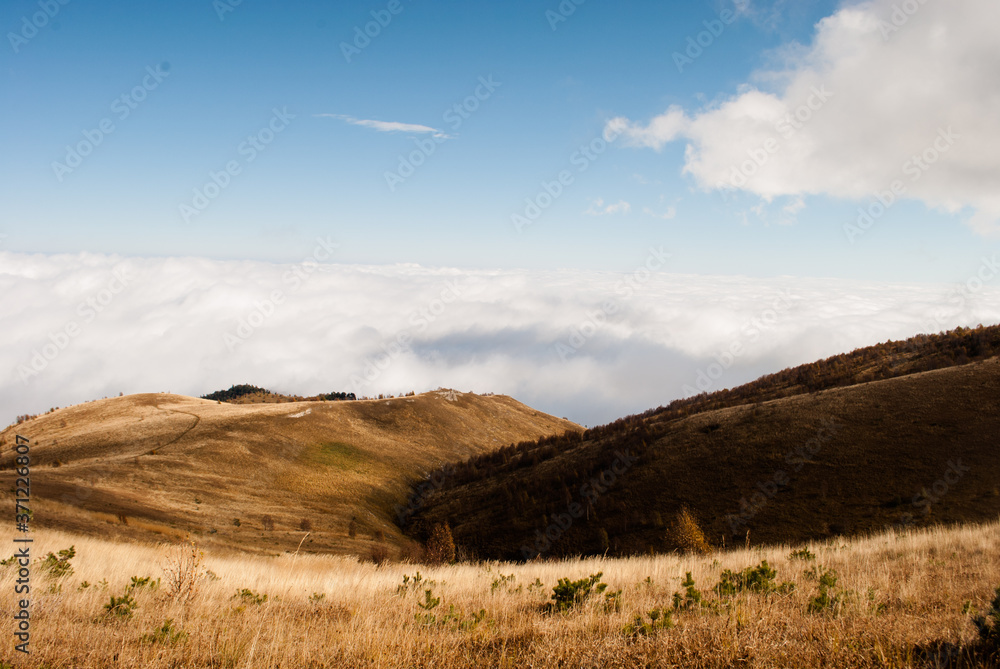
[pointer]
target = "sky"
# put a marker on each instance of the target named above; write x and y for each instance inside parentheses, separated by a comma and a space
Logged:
(537, 151)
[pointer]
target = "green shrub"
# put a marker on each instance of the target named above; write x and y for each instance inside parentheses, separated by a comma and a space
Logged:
(503, 582)
(691, 597)
(759, 579)
(123, 606)
(412, 582)
(988, 625)
(166, 634)
(568, 594)
(248, 596)
(801, 554)
(453, 618)
(57, 566)
(659, 619)
(826, 600)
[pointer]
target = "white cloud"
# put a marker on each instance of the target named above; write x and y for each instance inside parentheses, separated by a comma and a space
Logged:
(857, 109)
(598, 208)
(481, 330)
(386, 126)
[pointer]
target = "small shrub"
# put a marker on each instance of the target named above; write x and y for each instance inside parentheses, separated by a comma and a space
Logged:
(568, 594)
(759, 579)
(267, 522)
(801, 554)
(379, 554)
(166, 634)
(988, 625)
(248, 596)
(826, 600)
(55, 566)
(413, 582)
(659, 619)
(504, 582)
(182, 572)
(305, 525)
(122, 607)
(430, 601)
(691, 597)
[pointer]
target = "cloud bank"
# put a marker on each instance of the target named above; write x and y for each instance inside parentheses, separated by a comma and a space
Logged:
(889, 91)
(591, 346)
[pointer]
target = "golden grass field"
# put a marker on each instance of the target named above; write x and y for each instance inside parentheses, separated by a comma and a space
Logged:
(903, 600)
(159, 465)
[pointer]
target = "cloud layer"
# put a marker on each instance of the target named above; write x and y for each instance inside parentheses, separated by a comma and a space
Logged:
(888, 91)
(591, 346)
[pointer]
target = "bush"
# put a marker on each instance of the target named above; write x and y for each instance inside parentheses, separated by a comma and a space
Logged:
(58, 566)
(166, 634)
(686, 534)
(379, 554)
(801, 554)
(691, 597)
(568, 594)
(248, 596)
(988, 625)
(659, 619)
(826, 600)
(182, 572)
(759, 579)
(440, 546)
(121, 606)
(124, 606)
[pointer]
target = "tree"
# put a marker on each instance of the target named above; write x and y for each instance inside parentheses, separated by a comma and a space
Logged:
(687, 535)
(440, 546)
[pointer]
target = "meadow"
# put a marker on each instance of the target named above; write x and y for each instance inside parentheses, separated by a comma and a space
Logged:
(896, 599)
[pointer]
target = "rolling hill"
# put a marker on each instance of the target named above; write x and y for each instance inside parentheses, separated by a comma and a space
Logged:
(255, 476)
(901, 434)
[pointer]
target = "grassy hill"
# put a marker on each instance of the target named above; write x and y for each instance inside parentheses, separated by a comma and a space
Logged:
(801, 455)
(255, 476)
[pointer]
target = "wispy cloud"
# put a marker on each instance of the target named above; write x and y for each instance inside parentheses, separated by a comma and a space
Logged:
(386, 126)
(598, 208)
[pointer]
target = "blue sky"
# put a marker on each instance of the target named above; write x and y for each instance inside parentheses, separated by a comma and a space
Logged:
(322, 175)
(716, 154)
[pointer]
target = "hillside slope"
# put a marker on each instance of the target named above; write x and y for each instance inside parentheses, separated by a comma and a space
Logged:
(912, 450)
(159, 464)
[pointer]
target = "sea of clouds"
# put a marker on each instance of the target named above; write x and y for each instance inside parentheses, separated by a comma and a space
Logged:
(591, 346)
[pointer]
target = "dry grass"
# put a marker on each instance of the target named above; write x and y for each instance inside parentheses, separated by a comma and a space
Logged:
(904, 609)
(163, 466)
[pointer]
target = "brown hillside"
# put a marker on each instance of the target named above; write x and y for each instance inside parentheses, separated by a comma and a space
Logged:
(907, 451)
(156, 464)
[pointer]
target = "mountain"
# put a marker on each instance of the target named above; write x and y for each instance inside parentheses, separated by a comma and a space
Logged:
(900, 434)
(255, 476)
